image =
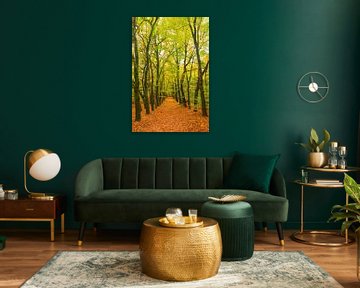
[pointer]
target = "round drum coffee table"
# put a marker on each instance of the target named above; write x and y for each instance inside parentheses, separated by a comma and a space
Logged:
(180, 254)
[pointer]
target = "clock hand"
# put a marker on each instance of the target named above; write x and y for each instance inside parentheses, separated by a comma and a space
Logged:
(321, 96)
(312, 82)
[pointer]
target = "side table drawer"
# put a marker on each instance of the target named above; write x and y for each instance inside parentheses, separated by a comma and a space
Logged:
(31, 209)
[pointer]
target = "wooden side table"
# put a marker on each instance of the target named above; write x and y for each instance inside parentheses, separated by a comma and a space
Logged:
(26, 209)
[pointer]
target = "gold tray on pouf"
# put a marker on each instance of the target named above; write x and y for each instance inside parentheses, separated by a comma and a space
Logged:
(165, 222)
(228, 198)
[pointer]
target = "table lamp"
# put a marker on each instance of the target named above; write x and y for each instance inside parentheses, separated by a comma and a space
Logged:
(43, 165)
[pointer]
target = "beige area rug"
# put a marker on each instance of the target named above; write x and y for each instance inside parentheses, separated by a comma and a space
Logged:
(80, 269)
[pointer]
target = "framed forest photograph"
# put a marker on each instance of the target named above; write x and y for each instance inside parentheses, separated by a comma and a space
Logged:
(170, 74)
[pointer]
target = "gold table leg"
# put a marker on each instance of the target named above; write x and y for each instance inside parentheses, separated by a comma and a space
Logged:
(302, 210)
(52, 230)
(295, 236)
(346, 230)
(63, 223)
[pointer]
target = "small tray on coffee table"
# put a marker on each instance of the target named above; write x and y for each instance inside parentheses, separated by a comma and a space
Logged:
(165, 222)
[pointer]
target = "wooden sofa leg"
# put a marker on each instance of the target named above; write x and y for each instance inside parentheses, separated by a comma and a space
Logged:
(81, 233)
(280, 233)
(265, 227)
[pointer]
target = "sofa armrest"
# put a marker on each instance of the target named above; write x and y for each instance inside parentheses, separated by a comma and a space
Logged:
(277, 184)
(89, 179)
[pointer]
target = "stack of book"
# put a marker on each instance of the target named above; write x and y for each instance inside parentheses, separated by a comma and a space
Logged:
(327, 181)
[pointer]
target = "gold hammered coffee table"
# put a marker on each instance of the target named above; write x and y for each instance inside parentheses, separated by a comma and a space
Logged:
(180, 254)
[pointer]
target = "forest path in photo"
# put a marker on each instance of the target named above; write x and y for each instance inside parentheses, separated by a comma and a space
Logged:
(170, 116)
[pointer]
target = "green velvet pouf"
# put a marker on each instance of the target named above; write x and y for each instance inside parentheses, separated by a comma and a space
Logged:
(2, 242)
(236, 221)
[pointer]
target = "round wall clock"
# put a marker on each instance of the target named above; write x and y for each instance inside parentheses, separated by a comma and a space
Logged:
(313, 87)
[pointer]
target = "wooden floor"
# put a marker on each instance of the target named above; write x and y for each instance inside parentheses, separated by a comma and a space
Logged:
(28, 250)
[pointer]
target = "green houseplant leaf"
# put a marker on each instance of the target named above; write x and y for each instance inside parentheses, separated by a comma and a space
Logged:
(349, 214)
(326, 136)
(314, 145)
(314, 136)
(352, 188)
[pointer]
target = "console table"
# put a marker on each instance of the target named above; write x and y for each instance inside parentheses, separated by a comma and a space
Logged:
(27, 209)
(297, 235)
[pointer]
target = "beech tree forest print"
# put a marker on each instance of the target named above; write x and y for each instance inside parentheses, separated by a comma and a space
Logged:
(170, 74)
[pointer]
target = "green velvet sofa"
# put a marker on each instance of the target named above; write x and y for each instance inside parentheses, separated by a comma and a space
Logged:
(130, 190)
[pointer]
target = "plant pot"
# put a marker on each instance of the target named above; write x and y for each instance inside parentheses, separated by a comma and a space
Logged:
(317, 159)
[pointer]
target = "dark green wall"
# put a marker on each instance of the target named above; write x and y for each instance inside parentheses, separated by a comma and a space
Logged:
(65, 84)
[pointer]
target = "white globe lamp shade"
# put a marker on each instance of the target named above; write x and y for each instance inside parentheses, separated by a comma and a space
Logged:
(44, 164)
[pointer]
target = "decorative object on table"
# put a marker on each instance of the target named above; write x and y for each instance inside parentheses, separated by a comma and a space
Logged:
(313, 87)
(328, 182)
(2, 242)
(317, 157)
(43, 165)
(228, 198)
(11, 194)
(2, 192)
(174, 215)
(333, 150)
(304, 176)
(122, 268)
(342, 153)
(236, 221)
(187, 223)
(350, 213)
(175, 219)
(193, 215)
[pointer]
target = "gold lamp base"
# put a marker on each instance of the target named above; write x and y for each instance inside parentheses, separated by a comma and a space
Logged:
(41, 196)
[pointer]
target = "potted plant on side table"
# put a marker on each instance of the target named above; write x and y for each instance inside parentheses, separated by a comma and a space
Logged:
(350, 214)
(317, 157)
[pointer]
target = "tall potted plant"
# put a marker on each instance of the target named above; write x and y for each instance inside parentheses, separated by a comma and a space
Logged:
(350, 214)
(317, 157)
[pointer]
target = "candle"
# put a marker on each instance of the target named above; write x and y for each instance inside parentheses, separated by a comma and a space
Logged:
(342, 149)
(333, 144)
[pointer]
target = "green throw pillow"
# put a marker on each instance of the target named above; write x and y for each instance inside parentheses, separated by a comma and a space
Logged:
(251, 172)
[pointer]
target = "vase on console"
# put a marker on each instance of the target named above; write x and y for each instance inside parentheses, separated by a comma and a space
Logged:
(317, 158)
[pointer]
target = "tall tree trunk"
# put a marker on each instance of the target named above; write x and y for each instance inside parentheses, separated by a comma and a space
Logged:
(186, 62)
(152, 100)
(202, 92)
(177, 77)
(188, 81)
(147, 64)
(194, 28)
(136, 72)
(182, 92)
(157, 80)
(196, 95)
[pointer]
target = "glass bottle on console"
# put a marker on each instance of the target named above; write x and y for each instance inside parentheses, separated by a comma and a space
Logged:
(333, 162)
(342, 154)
